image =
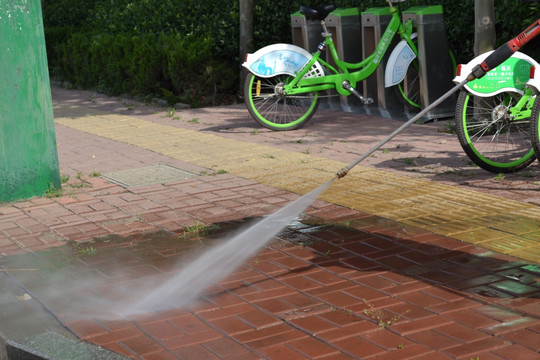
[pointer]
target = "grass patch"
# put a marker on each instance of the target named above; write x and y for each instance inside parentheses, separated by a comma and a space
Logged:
(198, 230)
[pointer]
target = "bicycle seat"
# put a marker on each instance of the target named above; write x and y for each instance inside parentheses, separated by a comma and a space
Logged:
(318, 14)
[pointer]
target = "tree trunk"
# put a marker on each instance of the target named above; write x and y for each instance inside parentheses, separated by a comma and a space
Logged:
(246, 32)
(484, 26)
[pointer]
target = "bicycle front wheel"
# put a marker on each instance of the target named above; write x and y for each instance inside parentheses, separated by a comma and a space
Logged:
(490, 136)
(408, 91)
(270, 107)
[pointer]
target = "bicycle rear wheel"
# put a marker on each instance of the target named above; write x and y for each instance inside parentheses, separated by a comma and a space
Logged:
(488, 134)
(273, 109)
(535, 127)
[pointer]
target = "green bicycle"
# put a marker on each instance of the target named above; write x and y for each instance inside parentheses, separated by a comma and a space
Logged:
(493, 115)
(282, 90)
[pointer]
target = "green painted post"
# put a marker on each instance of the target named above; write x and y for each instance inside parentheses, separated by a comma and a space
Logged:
(28, 155)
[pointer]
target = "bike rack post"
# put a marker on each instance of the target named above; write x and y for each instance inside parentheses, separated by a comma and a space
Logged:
(436, 65)
(386, 104)
(344, 25)
(305, 34)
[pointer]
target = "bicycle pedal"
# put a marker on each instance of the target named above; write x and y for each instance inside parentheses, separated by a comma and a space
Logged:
(364, 100)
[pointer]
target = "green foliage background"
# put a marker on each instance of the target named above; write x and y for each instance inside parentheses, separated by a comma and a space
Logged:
(187, 50)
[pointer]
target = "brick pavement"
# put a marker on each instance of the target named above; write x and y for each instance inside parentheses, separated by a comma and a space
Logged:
(340, 284)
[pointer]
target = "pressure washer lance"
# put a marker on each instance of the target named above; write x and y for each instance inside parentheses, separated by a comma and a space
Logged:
(492, 61)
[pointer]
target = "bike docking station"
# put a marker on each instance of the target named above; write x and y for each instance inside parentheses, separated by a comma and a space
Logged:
(344, 24)
(356, 35)
(436, 62)
(386, 103)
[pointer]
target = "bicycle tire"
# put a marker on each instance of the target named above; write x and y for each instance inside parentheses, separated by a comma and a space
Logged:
(535, 127)
(408, 90)
(488, 135)
(274, 110)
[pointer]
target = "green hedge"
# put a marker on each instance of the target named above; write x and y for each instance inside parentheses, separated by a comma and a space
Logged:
(187, 50)
(146, 65)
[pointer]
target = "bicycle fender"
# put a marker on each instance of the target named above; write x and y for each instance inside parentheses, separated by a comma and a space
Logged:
(277, 59)
(398, 63)
(534, 80)
(512, 75)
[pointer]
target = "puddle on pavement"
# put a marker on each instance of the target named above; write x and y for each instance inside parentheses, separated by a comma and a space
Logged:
(101, 277)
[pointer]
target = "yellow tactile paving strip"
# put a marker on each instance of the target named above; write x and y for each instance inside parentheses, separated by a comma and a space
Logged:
(496, 223)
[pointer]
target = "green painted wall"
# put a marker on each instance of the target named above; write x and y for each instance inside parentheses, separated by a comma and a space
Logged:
(28, 156)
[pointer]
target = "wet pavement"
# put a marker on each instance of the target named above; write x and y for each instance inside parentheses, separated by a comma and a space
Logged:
(350, 279)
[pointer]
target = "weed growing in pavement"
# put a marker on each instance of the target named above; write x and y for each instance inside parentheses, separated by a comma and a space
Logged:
(198, 230)
(269, 156)
(408, 161)
(64, 178)
(386, 151)
(213, 173)
(255, 132)
(449, 128)
(499, 177)
(95, 173)
(53, 192)
(170, 112)
(305, 243)
(379, 316)
(307, 151)
(194, 121)
(79, 185)
(84, 250)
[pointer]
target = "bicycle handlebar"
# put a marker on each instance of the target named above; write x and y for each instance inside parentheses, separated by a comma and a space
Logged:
(504, 51)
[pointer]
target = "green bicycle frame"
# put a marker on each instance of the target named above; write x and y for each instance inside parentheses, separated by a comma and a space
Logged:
(523, 108)
(349, 72)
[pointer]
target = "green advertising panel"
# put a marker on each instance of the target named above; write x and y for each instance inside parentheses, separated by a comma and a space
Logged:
(513, 73)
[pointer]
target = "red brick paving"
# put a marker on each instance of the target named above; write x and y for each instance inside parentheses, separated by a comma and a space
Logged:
(289, 303)
(364, 291)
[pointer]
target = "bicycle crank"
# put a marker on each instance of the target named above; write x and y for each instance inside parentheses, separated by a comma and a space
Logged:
(347, 86)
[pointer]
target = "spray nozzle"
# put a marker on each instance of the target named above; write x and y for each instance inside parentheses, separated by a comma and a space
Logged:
(344, 171)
